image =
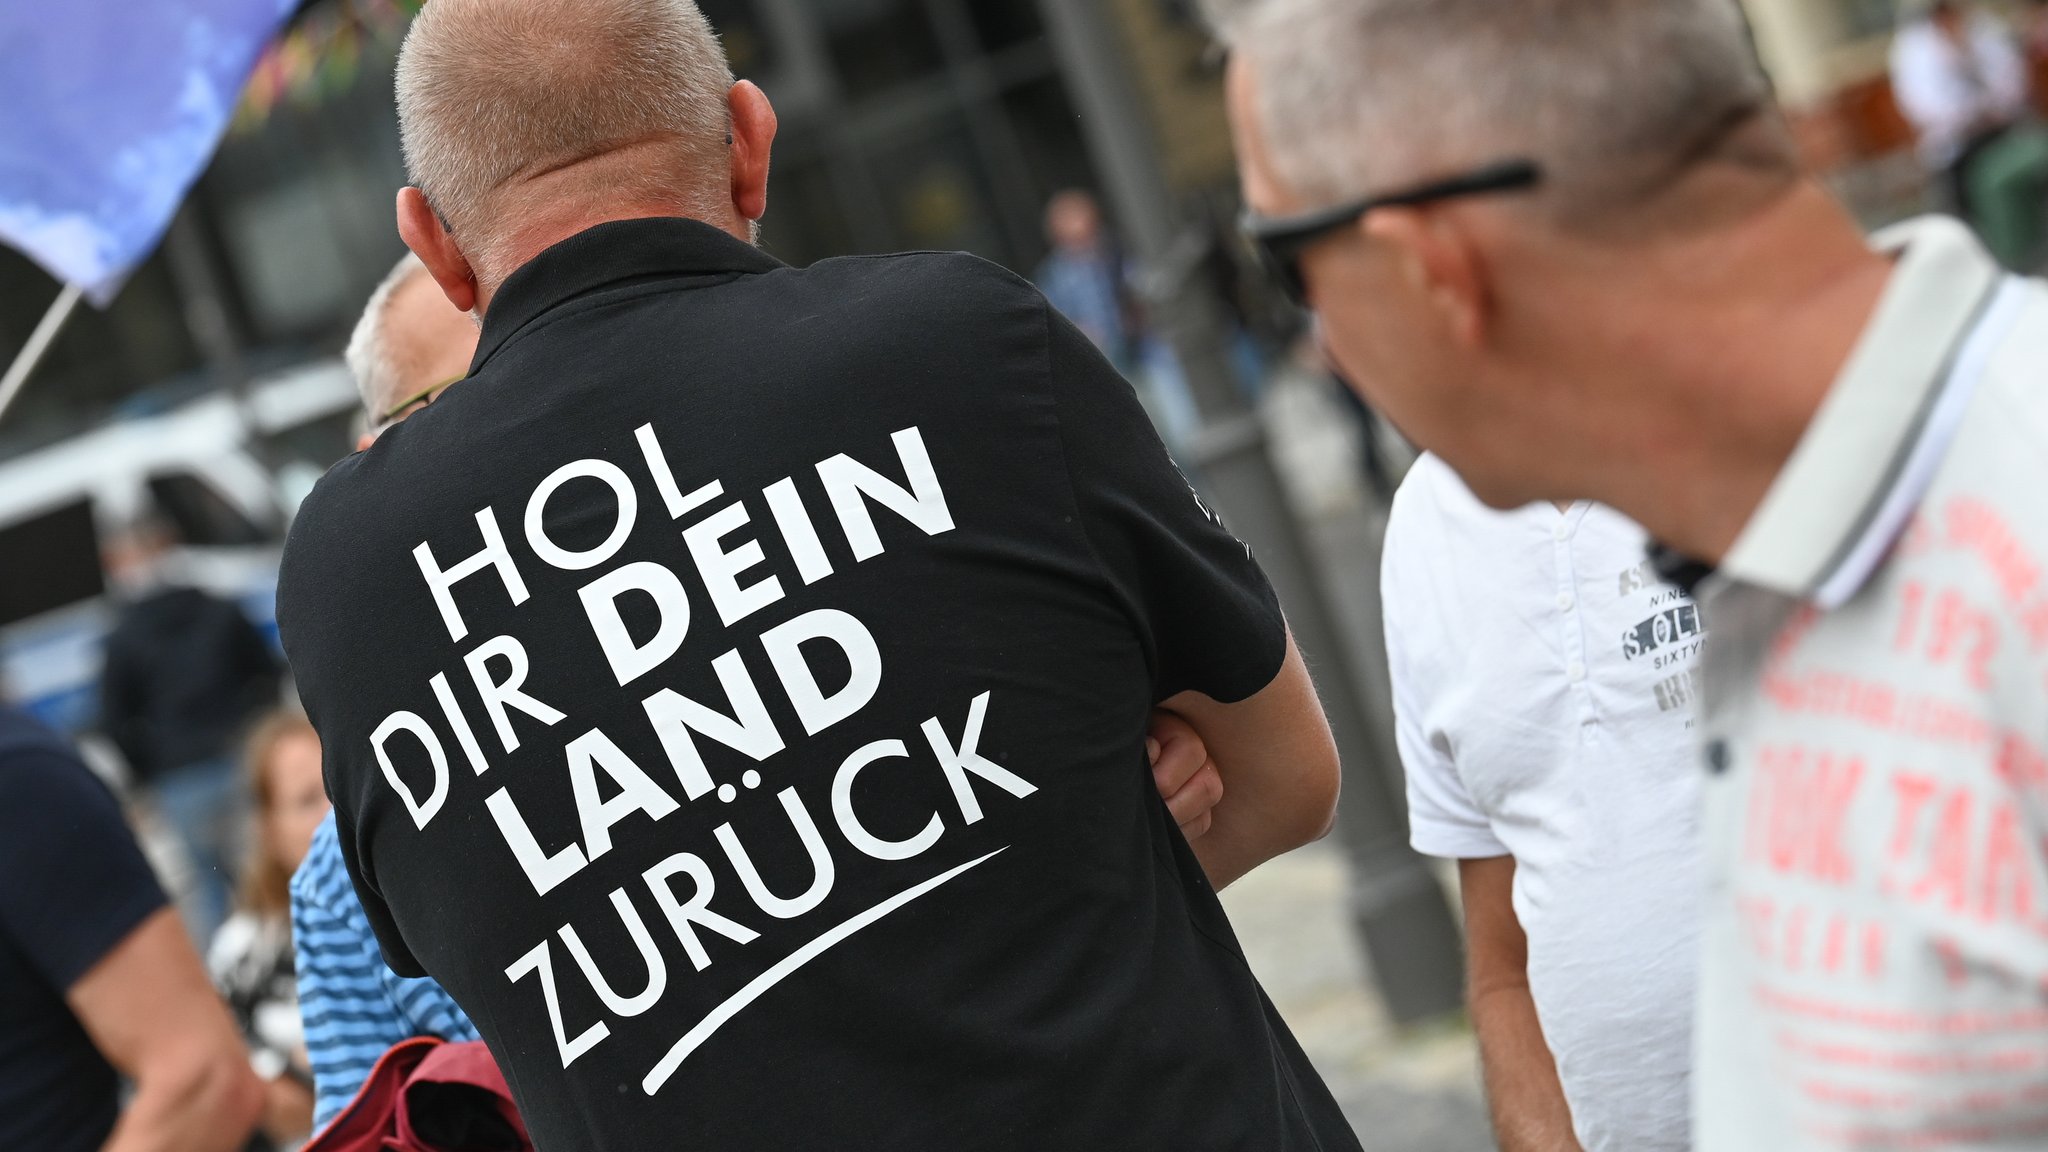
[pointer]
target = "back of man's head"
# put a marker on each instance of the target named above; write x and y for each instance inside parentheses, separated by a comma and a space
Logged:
(1612, 98)
(493, 93)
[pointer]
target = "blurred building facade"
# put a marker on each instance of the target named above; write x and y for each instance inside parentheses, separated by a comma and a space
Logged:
(906, 124)
(1829, 60)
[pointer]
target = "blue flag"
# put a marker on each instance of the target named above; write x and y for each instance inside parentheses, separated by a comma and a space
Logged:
(109, 110)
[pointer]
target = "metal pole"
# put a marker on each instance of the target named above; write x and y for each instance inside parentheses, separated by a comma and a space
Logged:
(206, 317)
(39, 342)
(1399, 909)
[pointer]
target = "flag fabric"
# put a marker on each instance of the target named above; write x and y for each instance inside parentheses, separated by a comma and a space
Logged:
(109, 110)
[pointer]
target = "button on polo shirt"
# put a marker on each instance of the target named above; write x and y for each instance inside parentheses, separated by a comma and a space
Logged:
(1877, 946)
(734, 694)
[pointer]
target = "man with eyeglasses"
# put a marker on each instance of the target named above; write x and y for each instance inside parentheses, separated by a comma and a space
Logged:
(409, 347)
(1840, 442)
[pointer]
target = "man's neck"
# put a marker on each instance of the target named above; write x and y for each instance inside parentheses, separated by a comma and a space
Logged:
(1770, 311)
(552, 205)
(550, 227)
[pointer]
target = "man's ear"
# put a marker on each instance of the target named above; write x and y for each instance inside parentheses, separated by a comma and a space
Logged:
(429, 239)
(1437, 255)
(753, 136)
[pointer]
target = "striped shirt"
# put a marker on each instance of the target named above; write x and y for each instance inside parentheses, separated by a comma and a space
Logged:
(354, 1005)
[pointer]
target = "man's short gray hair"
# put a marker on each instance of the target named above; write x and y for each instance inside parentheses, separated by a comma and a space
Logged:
(1611, 97)
(491, 89)
(369, 350)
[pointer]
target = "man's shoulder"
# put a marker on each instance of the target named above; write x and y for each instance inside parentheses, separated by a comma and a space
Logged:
(1998, 446)
(42, 778)
(1434, 512)
(930, 268)
(329, 527)
(956, 288)
(21, 733)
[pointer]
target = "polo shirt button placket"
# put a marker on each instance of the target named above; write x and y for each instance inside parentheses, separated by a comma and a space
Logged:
(1572, 628)
(1717, 756)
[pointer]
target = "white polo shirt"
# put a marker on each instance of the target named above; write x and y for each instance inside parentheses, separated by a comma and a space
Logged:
(1543, 686)
(1875, 965)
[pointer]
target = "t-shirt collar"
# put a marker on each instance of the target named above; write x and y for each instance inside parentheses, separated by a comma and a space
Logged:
(608, 254)
(1862, 464)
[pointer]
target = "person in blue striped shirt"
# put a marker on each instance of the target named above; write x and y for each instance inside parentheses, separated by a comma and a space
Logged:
(354, 1005)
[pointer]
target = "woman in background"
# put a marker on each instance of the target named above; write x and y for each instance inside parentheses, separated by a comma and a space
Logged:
(251, 957)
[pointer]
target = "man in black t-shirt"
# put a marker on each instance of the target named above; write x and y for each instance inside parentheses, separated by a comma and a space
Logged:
(734, 692)
(97, 979)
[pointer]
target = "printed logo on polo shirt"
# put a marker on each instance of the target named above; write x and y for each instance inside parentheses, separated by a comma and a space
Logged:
(1668, 640)
(826, 664)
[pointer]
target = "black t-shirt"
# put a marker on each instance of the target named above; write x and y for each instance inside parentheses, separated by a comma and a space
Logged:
(72, 886)
(769, 770)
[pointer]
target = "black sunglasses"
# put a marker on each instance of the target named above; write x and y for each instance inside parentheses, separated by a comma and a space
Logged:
(1281, 240)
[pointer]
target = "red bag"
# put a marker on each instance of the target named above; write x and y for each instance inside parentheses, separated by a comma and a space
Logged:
(427, 1095)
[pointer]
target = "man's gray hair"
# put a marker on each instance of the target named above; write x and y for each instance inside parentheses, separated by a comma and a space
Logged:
(1611, 97)
(369, 350)
(492, 89)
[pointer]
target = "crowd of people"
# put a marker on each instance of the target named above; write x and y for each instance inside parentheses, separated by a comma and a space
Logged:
(747, 706)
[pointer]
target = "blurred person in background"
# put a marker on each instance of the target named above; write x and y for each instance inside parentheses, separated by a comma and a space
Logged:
(251, 955)
(1964, 82)
(1543, 682)
(185, 672)
(1568, 246)
(98, 981)
(409, 346)
(1086, 278)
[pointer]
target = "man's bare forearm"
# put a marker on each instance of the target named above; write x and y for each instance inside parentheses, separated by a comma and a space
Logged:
(1277, 767)
(210, 1110)
(1522, 1089)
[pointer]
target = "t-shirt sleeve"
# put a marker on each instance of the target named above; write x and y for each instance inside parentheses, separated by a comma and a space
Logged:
(1443, 821)
(1209, 618)
(73, 883)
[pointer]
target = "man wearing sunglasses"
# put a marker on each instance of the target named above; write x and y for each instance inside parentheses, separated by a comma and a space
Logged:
(1839, 442)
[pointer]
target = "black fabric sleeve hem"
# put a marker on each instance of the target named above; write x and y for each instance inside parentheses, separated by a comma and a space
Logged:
(110, 929)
